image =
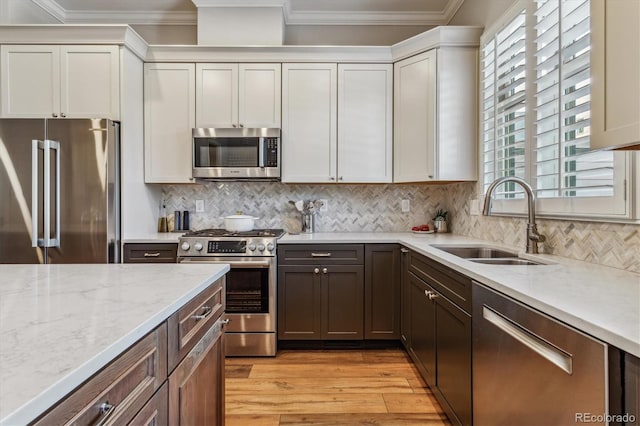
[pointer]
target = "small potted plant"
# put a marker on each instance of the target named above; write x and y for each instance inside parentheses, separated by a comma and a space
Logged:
(440, 220)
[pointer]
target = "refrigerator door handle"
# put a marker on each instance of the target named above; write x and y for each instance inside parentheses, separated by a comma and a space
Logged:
(35, 146)
(46, 208)
(55, 146)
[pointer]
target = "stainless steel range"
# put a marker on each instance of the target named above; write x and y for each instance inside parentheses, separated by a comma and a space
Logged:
(251, 283)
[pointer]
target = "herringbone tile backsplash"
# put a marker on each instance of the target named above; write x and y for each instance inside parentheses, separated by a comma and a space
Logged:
(371, 208)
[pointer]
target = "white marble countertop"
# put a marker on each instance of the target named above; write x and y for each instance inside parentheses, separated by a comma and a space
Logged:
(60, 324)
(601, 301)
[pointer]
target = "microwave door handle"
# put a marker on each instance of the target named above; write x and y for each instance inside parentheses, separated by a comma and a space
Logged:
(261, 148)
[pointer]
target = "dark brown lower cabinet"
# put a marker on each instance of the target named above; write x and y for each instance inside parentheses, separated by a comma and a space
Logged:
(320, 302)
(405, 299)
(437, 332)
(196, 386)
(382, 292)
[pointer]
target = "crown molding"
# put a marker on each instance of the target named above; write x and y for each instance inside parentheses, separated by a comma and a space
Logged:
(131, 17)
(451, 9)
(122, 35)
(442, 36)
(262, 54)
(52, 8)
(239, 3)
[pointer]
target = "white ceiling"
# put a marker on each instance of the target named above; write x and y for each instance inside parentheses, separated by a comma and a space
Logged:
(297, 12)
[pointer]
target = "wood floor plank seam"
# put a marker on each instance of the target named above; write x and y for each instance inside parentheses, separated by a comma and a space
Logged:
(359, 388)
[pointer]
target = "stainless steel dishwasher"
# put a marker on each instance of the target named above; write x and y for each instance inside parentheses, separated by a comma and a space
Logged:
(529, 369)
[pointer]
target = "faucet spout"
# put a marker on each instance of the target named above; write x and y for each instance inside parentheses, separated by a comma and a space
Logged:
(533, 236)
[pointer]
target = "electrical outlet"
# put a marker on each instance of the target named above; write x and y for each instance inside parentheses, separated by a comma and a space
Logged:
(199, 206)
(474, 207)
(325, 206)
(406, 206)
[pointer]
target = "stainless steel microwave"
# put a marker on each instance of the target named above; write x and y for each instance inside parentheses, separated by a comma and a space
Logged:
(236, 153)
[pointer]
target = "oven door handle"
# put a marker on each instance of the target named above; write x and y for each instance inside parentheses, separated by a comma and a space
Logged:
(234, 265)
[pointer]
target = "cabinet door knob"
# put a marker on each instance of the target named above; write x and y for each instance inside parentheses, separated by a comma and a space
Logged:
(54, 115)
(432, 295)
(63, 115)
(324, 270)
(234, 125)
(242, 125)
(340, 178)
(316, 271)
(332, 178)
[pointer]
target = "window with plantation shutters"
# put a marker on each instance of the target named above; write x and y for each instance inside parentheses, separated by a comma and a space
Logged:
(564, 165)
(504, 95)
(535, 113)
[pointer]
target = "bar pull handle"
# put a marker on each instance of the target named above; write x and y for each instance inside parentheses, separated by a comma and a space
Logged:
(546, 350)
(261, 147)
(46, 208)
(55, 147)
(206, 311)
(156, 254)
(320, 254)
(35, 145)
(106, 410)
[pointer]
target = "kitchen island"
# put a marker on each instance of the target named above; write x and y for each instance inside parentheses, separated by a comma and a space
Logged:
(60, 324)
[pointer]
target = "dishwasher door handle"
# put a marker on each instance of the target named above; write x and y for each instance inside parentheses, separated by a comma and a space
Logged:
(546, 350)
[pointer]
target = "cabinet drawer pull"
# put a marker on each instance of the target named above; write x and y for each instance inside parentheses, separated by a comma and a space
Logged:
(432, 295)
(316, 271)
(105, 411)
(324, 270)
(156, 254)
(320, 254)
(206, 311)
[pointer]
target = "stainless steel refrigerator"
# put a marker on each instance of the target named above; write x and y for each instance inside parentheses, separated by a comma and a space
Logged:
(59, 191)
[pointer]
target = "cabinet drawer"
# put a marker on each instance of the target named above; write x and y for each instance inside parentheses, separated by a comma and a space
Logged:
(150, 253)
(126, 384)
(456, 287)
(325, 254)
(187, 326)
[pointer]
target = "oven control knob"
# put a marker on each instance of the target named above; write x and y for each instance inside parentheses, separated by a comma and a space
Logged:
(270, 246)
(185, 246)
(251, 247)
(198, 246)
(261, 247)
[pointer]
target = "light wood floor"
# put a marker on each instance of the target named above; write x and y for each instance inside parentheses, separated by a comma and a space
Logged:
(336, 387)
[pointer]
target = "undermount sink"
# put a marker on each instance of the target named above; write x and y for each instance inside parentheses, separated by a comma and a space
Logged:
(487, 255)
(476, 252)
(506, 261)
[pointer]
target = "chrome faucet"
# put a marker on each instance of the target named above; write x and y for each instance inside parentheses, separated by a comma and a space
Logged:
(533, 236)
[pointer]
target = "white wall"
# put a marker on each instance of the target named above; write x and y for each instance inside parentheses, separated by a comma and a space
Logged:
(240, 26)
(168, 34)
(24, 12)
(480, 12)
(354, 35)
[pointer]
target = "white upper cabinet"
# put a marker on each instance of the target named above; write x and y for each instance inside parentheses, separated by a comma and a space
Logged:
(435, 116)
(238, 95)
(309, 115)
(615, 74)
(336, 123)
(60, 81)
(169, 116)
(365, 134)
